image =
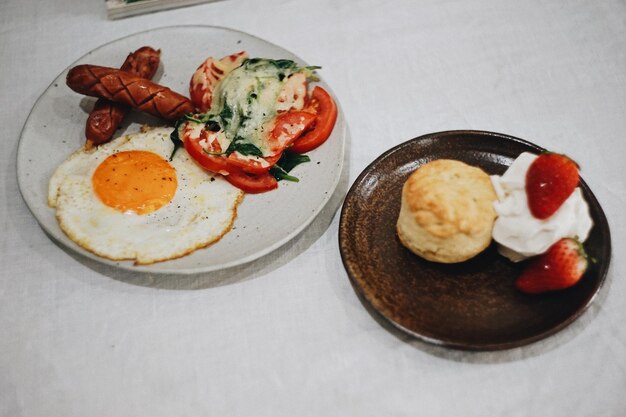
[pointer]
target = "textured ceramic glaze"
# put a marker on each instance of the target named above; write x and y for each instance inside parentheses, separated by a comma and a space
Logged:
(469, 305)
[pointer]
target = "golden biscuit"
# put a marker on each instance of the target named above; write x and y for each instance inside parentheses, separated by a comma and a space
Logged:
(447, 212)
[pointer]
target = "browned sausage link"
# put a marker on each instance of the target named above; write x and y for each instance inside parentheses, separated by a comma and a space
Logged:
(122, 87)
(106, 115)
(144, 62)
(103, 121)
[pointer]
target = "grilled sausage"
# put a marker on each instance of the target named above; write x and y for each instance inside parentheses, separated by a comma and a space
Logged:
(123, 87)
(106, 115)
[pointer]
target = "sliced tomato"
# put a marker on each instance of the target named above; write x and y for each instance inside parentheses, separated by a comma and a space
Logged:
(252, 184)
(251, 166)
(248, 183)
(325, 109)
(208, 75)
(211, 163)
(222, 163)
(287, 127)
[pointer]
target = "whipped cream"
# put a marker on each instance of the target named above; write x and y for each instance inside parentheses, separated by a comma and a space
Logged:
(521, 235)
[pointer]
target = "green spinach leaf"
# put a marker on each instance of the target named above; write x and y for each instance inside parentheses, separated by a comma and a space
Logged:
(247, 149)
(288, 161)
(226, 114)
(280, 174)
(175, 138)
(244, 148)
(213, 126)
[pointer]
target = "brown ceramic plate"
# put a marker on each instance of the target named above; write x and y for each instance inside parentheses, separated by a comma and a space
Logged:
(471, 305)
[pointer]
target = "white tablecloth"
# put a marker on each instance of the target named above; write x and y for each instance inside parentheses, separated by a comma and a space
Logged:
(287, 335)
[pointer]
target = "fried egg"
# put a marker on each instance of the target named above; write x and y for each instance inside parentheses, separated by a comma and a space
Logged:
(126, 201)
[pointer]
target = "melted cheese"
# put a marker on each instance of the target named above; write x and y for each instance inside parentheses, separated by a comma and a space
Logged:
(256, 93)
(292, 94)
(260, 160)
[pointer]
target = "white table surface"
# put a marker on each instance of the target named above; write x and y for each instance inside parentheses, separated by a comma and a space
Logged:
(287, 335)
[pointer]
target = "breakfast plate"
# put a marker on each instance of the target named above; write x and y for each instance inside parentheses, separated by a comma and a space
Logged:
(472, 305)
(55, 128)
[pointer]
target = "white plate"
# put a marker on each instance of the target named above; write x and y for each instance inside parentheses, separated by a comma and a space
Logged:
(55, 128)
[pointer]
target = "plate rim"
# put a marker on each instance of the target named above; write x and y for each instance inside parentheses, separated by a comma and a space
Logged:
(447, 343)
(154, 268)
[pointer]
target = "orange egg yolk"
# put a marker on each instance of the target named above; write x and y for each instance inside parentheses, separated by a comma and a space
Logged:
(136, 181)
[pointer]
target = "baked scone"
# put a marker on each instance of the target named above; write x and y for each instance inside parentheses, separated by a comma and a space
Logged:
(447, 212)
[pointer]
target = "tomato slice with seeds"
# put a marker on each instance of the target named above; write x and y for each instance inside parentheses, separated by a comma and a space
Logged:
(325, 109)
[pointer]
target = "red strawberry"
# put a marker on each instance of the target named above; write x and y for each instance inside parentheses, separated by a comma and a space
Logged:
(550, 180)
(560, 267)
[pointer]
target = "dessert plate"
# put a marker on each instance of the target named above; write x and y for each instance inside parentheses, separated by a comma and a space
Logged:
(471, 305)
(55, 128)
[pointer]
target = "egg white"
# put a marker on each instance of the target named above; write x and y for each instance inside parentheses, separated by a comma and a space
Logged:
(202, 210)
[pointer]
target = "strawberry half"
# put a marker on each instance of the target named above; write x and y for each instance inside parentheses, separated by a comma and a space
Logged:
(560, 267)
(550, 180)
